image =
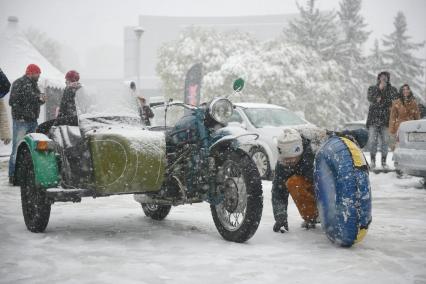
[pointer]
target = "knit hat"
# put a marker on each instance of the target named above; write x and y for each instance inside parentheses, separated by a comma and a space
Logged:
(289, 144)
(32, 69)
(72, 76)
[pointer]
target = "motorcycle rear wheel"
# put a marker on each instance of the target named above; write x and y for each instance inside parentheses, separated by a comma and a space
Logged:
(238, 216)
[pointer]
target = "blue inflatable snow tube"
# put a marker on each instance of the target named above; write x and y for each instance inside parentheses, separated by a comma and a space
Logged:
(342, 189)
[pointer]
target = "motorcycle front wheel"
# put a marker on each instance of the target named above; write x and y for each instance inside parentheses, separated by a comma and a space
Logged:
(238, 216)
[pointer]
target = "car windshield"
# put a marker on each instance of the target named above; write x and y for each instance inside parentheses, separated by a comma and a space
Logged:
(107, 105)
(272, 117)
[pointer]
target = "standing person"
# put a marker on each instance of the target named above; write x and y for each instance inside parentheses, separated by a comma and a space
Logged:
(403, 109)
(4, 121)
(145, 111)
(380, 97)
(25, 100)
(4, 84)
(67, 114)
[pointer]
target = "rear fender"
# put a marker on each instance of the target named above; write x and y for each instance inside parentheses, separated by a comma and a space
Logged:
(45, 165)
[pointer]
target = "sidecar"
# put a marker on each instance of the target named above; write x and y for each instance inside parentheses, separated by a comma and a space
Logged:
(109, 152)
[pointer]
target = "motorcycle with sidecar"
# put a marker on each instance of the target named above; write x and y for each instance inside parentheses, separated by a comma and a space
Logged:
(193, 158)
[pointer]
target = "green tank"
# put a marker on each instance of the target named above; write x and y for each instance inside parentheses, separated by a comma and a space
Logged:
(127, 161)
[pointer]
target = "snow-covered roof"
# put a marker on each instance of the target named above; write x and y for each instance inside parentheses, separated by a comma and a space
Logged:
(16, 52)
(257, 105)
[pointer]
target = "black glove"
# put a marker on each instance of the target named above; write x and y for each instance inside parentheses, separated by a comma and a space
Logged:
(281, 226)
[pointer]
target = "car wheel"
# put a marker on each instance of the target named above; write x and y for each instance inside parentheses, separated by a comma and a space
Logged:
(35, 205)
(156, 212)
(261, 160)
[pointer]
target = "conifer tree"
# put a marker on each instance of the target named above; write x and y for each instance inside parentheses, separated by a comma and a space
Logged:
(314, 30)
(398, 54)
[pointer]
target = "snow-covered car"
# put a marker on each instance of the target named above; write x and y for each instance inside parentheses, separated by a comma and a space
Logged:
(266, 120)
(352, 125)
(410, 152)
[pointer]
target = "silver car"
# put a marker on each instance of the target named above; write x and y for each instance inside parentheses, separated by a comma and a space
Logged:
(267, 121)
(410, 151)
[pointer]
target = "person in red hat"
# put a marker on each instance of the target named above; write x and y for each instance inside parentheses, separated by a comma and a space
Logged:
(25, 101)
(67, 110)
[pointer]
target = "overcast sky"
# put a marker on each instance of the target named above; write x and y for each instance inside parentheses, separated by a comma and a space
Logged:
(85, 25)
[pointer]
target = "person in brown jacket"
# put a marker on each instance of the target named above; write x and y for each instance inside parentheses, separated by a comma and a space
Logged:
(403, 109)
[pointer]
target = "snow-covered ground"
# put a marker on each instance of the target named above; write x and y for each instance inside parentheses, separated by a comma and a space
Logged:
(109, 240)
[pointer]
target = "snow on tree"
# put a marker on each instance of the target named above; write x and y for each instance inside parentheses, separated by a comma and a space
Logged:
(196, 45)
(47, 47)
(355, 36)
(398, 54)
(315, 30)
(375, 61)
(276, 72)
(350, 56)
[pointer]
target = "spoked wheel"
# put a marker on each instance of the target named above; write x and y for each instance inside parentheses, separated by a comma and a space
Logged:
(238, 215)
(156, 212)
(261, 160)
(35, 205)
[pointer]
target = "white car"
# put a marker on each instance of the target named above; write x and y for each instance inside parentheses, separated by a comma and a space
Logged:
(267, 121)
(410, 152)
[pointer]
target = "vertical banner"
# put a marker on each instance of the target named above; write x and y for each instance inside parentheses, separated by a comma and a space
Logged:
(193, 84)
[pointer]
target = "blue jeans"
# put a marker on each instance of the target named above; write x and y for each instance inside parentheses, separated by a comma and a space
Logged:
(20, 129)
(374, 132)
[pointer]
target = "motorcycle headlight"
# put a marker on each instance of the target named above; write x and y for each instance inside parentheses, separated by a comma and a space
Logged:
(221, 110)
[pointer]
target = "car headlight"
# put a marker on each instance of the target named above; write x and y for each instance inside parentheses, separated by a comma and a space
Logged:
(221, 110)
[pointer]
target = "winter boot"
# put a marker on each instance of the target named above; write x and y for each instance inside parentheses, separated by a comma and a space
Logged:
(384, 165)
(308, 224)
(373, 162)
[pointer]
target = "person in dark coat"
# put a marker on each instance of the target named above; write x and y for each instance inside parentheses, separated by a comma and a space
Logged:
(294, 173)
(295, 162)
(67, 114)
(25, 100)
(4, 84)
(380, 97)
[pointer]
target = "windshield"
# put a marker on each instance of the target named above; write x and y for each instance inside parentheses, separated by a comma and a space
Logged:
(106, 101)
(174, 113)
(108, 104)
(271, 117)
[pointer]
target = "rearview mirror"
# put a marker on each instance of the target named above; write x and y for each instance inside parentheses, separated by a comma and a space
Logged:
(238, 85)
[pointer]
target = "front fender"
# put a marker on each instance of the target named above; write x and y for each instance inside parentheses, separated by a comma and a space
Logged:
(45, 165)
(232, 137)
